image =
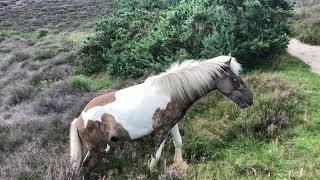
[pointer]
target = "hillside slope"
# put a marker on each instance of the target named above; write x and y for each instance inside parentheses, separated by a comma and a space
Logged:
(57, 15)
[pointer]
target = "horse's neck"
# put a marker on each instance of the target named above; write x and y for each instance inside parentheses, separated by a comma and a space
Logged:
(190, 103)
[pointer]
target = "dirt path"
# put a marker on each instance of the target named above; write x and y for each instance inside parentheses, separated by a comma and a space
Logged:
(309, 54)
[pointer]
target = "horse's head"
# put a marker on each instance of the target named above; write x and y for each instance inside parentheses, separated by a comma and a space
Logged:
(232, 86)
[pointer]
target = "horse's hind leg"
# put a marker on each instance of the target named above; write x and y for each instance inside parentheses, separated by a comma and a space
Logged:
(92, 158)
(97, 139)
(156, 155)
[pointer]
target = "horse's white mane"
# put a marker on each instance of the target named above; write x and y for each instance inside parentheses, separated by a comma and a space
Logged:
(192, 78)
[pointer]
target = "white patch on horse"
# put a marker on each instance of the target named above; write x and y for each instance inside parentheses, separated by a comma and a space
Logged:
(133, 108)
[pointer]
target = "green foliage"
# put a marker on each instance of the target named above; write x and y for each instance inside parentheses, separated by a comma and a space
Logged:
(26, 176)
(80, 83)
(309, 35)
(142, 37)
(42, 32)
(44, 54)
(101, 82)
(44, 84)
(6, 48)
(8, 34)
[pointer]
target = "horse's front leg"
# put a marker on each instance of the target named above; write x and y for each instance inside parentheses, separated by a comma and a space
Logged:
(177, 140)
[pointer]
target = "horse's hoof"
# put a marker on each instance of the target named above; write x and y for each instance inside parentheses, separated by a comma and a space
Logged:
(177, 170)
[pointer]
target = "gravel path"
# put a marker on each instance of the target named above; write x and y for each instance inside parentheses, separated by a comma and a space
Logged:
(309, 54)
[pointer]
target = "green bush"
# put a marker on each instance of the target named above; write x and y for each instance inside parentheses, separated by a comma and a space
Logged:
(142, 37)
(80, 83)
(42, 32)
(44, 54)
(310, 35)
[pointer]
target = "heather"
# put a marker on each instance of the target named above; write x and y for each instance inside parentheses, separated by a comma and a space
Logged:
(306, 25)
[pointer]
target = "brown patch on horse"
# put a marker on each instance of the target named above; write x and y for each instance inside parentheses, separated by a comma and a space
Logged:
(93, 134)
(95, 138)
(165, 119)
(96, 135)
(101, 100)
(115, 129)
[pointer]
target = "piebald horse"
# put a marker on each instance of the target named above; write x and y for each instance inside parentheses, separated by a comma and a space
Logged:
(155, 106)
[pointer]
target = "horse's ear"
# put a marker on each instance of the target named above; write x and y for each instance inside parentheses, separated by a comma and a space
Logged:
(228, 62)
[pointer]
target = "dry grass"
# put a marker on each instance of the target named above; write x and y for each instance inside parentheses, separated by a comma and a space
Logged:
(18, 92)
(307, 24)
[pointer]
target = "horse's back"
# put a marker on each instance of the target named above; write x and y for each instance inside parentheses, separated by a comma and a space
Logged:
(101, 100)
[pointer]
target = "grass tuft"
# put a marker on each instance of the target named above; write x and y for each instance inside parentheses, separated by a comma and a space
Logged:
(80, 83)
(6, 48)
(42, 32)
(44, 54)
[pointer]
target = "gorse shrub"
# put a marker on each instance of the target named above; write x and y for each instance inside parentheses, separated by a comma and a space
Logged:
(142, 37)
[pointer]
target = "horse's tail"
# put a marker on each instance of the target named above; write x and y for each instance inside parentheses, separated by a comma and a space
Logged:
(75, 146)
